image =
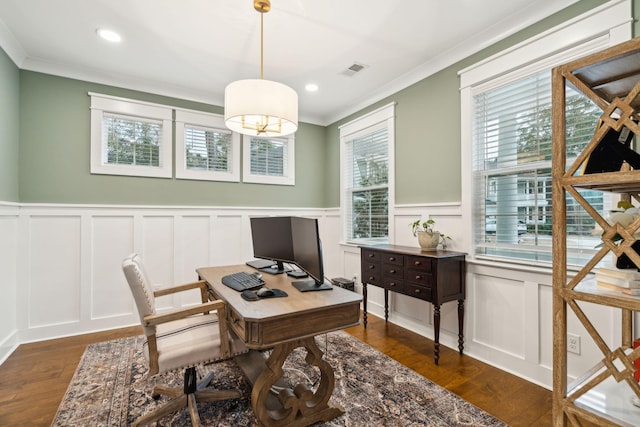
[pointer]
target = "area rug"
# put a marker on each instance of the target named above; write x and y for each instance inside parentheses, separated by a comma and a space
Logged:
(111, 388)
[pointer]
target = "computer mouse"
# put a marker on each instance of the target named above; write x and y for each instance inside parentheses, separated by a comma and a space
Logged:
(264, 292)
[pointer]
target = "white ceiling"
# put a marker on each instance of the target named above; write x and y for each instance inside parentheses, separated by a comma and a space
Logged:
(192, 49)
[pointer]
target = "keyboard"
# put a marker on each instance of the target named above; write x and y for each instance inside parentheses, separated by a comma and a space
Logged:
(242, 281)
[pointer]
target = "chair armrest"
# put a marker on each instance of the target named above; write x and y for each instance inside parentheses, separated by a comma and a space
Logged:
(201, 284)
(156, 319)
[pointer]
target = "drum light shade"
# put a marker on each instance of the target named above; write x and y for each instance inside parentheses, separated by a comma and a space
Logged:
(261, 108)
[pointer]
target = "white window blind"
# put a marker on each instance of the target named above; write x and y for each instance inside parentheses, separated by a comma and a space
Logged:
(131, 141)
(366, 185)
(269, 160)
(205, 148)
(267, 157)
(512, 170)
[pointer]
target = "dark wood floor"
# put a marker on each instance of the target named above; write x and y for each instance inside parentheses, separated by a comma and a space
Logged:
(34, 378)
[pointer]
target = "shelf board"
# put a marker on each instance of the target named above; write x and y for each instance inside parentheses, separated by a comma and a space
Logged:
(612, 401)
(613, 182)
(589, 291)
(613, 78)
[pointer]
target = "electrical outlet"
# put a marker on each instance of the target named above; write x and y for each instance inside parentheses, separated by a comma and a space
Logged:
(573, 343)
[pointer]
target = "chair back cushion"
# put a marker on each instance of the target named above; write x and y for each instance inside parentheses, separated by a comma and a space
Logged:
(140, 288)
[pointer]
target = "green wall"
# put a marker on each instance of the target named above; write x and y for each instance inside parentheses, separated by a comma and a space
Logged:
(9, 128)
(428, 126)
(54, 143)
(55, 151)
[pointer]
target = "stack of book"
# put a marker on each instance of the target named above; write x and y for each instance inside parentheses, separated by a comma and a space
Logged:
(626, 281)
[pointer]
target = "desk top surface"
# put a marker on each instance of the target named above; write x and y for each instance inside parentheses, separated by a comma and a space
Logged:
(272, 308)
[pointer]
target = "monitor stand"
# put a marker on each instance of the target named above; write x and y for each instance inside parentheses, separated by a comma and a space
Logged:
(276, 269)
(311, 285)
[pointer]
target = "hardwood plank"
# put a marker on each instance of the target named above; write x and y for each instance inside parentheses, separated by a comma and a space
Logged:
(35, 377)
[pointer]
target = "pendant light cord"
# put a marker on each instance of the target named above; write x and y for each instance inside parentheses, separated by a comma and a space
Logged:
(261, 44)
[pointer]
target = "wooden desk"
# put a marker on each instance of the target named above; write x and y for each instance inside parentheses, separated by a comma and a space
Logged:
(285, 324)
(434, 276)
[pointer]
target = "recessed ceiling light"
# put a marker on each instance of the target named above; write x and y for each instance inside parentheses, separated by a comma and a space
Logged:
(311, 87)
(109, 35)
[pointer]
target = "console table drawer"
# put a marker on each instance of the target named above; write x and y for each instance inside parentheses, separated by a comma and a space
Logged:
(391, 270)
(393, 284)
(417, 291)
(392, 258)
(370, 256)
(419, 277)
(418, 263)
(371, 273)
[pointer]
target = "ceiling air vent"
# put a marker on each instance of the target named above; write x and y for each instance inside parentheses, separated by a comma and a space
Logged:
(353, 69)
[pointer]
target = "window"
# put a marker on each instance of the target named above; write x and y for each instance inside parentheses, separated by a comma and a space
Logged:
(506, 141)
(205, 149)
(269, 160)
(366, 153)
(130, 137)
(512, 169)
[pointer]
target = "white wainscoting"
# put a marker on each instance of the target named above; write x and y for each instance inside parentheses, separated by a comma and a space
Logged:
(65, 261)
(8, 278)
(61, 275)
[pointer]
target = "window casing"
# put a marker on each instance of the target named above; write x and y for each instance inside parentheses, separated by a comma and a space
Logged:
(205, 148)
(366, 164)
(268, 160)
(130, 137)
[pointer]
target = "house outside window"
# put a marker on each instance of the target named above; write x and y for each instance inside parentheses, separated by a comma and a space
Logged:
(366, 162)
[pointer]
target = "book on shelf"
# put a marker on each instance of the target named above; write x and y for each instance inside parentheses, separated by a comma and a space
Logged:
(623, 273)
(611, 287)
(618, 281)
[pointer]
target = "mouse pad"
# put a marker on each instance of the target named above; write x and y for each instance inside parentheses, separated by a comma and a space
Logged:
(253, 296)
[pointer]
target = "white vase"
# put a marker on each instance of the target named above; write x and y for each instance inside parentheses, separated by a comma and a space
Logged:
(428, 241)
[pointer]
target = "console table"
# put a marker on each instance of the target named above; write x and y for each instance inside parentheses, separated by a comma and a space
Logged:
(434, 276)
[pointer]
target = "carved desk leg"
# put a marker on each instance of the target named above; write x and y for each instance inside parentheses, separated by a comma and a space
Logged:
(300, 406)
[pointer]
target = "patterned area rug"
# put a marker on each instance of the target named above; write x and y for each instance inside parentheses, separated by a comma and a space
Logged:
(111, 388)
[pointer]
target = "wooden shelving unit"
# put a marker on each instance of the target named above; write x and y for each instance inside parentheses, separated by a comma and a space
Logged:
(602, 395)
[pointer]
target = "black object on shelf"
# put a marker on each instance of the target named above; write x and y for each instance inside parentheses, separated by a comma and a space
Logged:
(611, 152)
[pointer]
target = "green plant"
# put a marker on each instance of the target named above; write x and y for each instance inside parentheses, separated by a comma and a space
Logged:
(427, 226)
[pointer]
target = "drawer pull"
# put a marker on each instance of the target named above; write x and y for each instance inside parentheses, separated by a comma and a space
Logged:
(417, 263)
(418, 277)
(371, 267)
(417, 291)
(371, 255)
(392, 271)
(371, 278)
(392, 258)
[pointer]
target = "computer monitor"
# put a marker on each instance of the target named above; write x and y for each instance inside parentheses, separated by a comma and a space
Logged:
(307, 253)
(272, 241)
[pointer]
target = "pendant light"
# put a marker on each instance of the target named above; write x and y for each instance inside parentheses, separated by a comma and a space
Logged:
(259, 107)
